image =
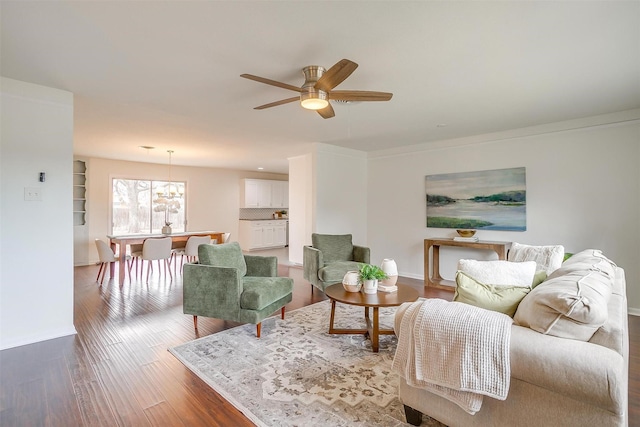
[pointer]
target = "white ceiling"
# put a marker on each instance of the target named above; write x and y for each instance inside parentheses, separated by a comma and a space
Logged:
(166, 74)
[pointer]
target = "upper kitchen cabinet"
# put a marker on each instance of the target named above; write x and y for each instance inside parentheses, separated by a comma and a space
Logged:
(262, 193)
(280, 194)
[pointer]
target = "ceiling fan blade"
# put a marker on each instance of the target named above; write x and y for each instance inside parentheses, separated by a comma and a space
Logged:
(271, 82)
(327, 112)
(275, 104)
(359, 95)
(335, 75)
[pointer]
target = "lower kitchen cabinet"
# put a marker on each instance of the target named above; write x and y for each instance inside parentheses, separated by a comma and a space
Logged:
(262, 234)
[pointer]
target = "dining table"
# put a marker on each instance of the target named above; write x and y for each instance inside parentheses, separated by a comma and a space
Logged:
(122, 241)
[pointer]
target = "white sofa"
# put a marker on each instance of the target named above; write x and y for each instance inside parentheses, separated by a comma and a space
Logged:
(555, 380)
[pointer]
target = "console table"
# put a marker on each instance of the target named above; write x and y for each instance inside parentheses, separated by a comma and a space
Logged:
(434, 280)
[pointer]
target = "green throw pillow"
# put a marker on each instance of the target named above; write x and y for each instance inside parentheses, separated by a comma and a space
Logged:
(504, 299)
(538, 278)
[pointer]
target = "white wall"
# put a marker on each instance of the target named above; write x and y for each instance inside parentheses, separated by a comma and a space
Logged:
(301, 204)
(212, 202)
(36, 237)
(583, 191)
(327, 195)
(341, 196)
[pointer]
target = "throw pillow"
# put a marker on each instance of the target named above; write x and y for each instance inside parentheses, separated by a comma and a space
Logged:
(572, 302)
(224, 255)
(538, 278)
(504, 299)
(499, 273)
(548, 258)
(334, 247)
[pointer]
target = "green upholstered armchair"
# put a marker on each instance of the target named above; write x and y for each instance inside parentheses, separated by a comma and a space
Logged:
(228, 285)
(330, 257)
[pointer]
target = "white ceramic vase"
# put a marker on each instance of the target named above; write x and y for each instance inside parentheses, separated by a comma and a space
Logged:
(370, 286)
(390, 267)
(351, 281)
(166, 229)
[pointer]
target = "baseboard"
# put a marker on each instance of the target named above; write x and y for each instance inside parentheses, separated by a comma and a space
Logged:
(633, 311)
(411, 276)
(34, 339)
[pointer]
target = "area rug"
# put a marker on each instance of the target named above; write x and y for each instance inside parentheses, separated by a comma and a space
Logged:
(297, 374)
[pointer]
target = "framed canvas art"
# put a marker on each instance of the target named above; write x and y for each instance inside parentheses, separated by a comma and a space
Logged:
(482, 200)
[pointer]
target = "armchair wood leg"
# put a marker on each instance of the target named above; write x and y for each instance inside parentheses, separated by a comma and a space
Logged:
(258, 328)
(282, 313)
(195, 322)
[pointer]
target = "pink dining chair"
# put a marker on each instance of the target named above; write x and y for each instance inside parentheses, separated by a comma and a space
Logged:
(106, 256)
(155, 249)
(190, 250)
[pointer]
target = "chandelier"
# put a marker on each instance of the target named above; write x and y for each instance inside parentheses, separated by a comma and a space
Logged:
(168, 201)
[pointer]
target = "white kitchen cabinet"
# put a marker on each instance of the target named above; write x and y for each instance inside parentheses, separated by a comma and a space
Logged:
(280, 233)
(249, 193)
(262, 234)
(264, 193)
(280, 194)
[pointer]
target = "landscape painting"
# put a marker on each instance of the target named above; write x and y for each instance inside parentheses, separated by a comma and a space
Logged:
(483, 200)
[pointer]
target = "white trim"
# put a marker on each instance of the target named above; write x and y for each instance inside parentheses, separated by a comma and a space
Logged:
(38, 338)
(634, 311)
(614, 119)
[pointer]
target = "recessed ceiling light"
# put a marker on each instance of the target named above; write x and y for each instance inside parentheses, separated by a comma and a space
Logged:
(441, 125)
(260, 168)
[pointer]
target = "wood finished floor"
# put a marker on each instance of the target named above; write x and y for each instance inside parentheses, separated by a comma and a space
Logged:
(117, 371)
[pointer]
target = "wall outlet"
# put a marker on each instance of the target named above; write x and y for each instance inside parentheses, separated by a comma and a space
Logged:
(33, 194)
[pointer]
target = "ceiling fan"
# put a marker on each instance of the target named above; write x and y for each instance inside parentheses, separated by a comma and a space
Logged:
(318, 86)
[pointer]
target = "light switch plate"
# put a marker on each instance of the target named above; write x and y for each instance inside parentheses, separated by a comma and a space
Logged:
(33, 194)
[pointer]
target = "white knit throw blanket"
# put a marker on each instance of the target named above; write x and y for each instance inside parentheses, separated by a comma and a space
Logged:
(455, 350)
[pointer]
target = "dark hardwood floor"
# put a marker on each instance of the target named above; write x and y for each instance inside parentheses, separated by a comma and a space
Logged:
(117, 371)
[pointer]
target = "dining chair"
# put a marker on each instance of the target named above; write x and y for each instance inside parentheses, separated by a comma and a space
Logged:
(155, 249)
(190, 250)
(107, 256)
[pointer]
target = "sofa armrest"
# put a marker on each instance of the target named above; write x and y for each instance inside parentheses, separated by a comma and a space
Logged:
(583, 371)
(361, 254)
(312, 261)
(261, 266)
(207, 290)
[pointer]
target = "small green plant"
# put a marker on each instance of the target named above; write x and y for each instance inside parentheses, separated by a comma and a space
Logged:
(371, 272)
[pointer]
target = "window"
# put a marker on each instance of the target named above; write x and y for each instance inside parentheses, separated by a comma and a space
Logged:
(143, 206)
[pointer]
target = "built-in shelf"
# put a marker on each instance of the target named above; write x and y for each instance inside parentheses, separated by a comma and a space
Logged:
(79, 192)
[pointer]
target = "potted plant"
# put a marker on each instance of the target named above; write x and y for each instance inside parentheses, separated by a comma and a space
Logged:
(369, 276)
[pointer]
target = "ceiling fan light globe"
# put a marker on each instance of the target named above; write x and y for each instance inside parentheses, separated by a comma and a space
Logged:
(314, 103)
(314, 100)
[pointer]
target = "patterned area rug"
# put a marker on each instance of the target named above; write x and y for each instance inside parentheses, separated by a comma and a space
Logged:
(297, 374)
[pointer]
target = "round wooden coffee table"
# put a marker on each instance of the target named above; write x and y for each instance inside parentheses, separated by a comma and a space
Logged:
(336, 293)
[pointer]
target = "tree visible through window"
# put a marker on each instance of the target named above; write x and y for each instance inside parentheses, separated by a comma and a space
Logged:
(145, 206)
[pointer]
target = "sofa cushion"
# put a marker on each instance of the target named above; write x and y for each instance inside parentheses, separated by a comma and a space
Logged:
(334, 272)
(259, 292)
(225, 255)
(504, 299)
(499, 273)
(572, 302)
(547, 258)
(334, 247)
